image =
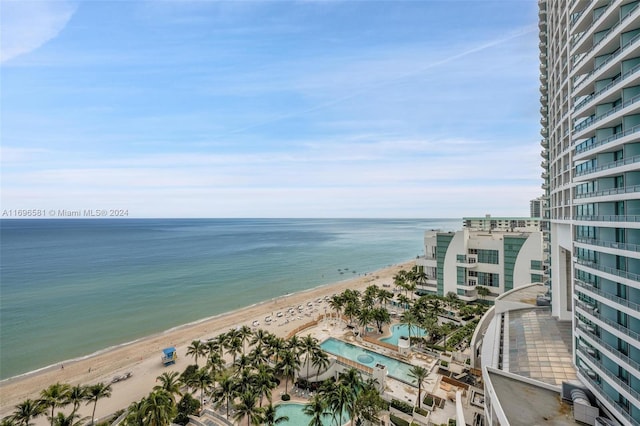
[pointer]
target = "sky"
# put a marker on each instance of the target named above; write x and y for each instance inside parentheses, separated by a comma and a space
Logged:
(178, 108)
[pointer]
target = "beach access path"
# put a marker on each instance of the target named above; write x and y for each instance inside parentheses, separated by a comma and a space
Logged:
(142, 358)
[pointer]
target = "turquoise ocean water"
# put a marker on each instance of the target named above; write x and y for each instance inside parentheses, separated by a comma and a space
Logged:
(69, 288)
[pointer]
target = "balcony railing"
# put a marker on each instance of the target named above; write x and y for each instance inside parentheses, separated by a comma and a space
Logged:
(582, 148)
(602, 394)
(604, 37)
(609, 244)
(606, 218)
(611, 191)
(611, 165)
(611, 58)
(612, 297)
(609, 270)
(607, 87)
(594, 119)
(610, 351)
(594, 313)
(608, 373)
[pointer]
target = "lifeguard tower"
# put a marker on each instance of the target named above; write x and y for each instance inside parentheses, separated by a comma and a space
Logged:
(169, 356)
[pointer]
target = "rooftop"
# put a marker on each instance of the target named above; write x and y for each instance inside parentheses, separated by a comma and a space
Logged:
(531, 405)
(540, 346)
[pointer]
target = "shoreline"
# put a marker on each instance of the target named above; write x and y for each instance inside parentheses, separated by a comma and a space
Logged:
(140, 354)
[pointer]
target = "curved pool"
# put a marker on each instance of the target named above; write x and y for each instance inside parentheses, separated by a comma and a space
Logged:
(398, 330)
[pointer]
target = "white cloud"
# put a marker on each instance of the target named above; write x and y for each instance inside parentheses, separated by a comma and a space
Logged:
(27, 25)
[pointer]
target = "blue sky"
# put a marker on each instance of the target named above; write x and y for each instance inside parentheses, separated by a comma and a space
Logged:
(271, 108)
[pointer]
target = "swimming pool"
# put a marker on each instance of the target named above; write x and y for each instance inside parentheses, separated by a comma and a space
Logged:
(396, 369)
(298, 418)
(398, 330)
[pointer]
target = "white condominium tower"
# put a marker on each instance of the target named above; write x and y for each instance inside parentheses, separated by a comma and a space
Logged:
(590, 96)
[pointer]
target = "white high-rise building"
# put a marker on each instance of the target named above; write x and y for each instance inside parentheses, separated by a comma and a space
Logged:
(590, 87)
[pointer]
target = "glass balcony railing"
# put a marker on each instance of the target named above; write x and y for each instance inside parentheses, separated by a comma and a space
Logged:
(605, 218)
(593, 312)
(611, 165)
(609, 244)
(607, 87)
(612, 191)
(610, 351)
(595, 118)
(590, 144)
(619, 300)
(609, 270)
(620, 410)
(610, 59)
(603, 371)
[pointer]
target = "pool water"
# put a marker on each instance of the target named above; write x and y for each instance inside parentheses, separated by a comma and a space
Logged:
(298, 418)
(398, 330)
(396, 369)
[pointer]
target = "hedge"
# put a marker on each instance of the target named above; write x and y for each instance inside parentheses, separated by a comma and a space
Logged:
(402, 406)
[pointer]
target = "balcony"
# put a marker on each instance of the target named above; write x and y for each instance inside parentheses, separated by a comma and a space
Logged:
(596, 23)
(612, 165)
(609, 350)
(608, 218)
(596, 118)
(619, 300)
(466, 261)
(612, 191)
(607, 269)
(593, 312)
(615, 405)
(584, 147)
(544, 143)
(594, 95)
(603, 371)
(609, 244)
(610, 61)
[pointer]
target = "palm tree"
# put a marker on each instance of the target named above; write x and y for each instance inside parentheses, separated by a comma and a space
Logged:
(270, 416)
(247, 407)
(351, 310)
(76, 396)
(317, 409)
(403, 301)
(158, 408)
(352, 380)
(72, 419)
(27, 410)
(8, 421)
(409, 319)
(135, 414)
(260, 338)
(225, 391)
(419, 374)
(215, 363)
(234, 346)
(308, 346)
(384, 296)
(381, 317)
(96, 392)
(202, 380)
(338, 400)
(289, 364)
(276, 346)
(54, 396)
(320, 360)
(169, 382)
(197, 349)
(367, 405)
(264, 382)
(244, 333)
(336, 304)
(364, 318)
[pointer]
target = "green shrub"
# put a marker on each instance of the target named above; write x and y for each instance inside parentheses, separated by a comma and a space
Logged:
(428, 401)
(444, 363)
(402, 406)
(398, 421)
(422, 411)
(286, 397)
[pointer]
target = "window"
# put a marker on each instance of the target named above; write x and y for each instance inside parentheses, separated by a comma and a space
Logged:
(488, 256)
(488, 279)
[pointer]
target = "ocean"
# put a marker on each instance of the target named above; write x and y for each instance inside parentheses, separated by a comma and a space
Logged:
(72, 287)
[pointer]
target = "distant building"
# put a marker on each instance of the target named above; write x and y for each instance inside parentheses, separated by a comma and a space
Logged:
(496, 253)
(535, 207)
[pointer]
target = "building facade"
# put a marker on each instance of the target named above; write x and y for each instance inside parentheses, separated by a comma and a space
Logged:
(497, 258)
(535, 207)
(590, 107)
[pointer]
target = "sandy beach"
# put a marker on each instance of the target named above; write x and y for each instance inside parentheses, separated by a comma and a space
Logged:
(142, 358)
